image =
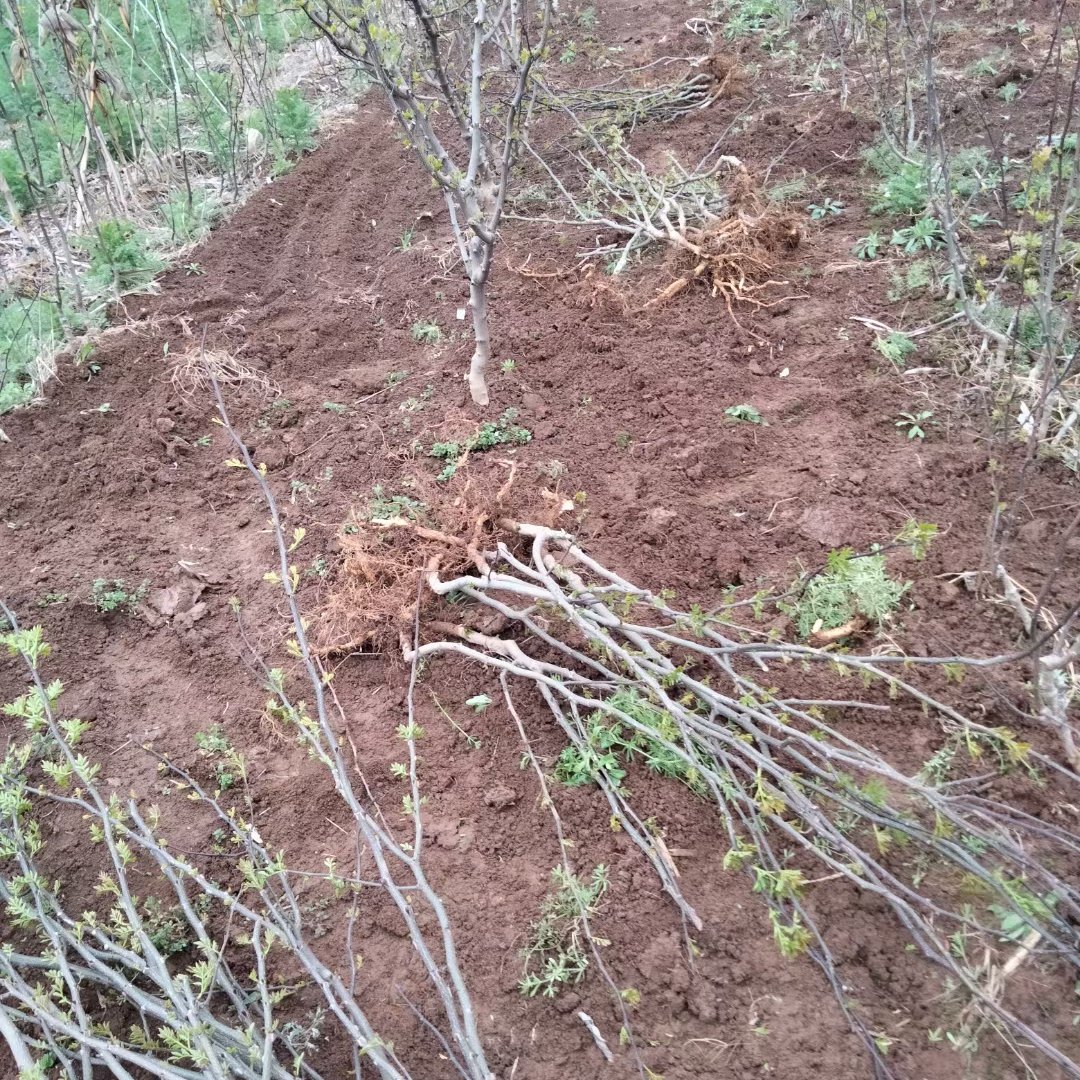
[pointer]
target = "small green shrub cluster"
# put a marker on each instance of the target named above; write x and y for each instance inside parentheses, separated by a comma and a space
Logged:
(745, 17)
(426, 332)
(851, 585)
(28, 329)
(120, 256)
(189, 221)
(287, 122)
(896, 348)
(116, 595)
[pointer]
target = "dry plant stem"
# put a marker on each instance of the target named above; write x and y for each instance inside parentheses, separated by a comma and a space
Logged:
(93, 960)
(631, 201)
(778, 774)
(549, 802)
(1054, 669)
(446, 975)
(83, 959)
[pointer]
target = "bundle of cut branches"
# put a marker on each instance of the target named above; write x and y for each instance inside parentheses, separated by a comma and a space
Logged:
(629, 106)
(626, 675)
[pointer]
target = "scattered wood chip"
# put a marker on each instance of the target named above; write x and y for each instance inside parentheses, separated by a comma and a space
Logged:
(209, 575)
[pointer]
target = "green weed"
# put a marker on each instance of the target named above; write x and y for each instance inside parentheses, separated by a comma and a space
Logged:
(923, 235)
(746, 17)
(489, 435)
(587, 18)
(849, 586)
(744, 414)
(116, 595)
(382, 506)
(190, 221)
(985, 66)
(787, 190)
(828, 208)
(228, 764)
(426, 332)
(869, 246)
(609, 746)
(903, 188)
(896, 348)
(920, 275)
(556, 955)
(916, 423)
(288, 124)
(167, 929)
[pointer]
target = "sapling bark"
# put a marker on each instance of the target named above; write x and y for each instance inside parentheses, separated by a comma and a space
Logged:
(474, 63)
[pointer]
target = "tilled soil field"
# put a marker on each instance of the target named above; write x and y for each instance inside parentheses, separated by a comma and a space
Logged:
(311, 287)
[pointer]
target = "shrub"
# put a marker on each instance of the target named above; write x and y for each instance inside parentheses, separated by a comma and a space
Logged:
(189, 222)
(288, 124)
(850, 586)
(119, 256)
(27, 329)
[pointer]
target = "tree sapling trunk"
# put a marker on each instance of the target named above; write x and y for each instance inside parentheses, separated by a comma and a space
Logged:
(478, 304)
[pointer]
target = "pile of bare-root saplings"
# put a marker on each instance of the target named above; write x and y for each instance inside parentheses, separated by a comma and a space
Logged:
(179, 965)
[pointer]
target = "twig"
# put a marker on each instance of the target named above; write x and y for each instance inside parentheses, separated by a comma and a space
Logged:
(594, 1031)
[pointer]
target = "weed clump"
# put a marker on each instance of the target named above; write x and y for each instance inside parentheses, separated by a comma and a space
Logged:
(555, 956)
(851, 587)
(491, 434)
(116, 595)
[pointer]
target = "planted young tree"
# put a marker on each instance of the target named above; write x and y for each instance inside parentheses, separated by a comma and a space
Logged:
(459, 81)
(994, 204)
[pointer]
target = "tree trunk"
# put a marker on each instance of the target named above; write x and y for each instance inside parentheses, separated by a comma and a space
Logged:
(482, 352)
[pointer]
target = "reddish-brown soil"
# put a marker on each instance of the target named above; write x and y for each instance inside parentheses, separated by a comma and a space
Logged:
(307, 286)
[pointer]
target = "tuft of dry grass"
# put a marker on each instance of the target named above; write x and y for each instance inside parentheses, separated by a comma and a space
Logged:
(193, 374)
